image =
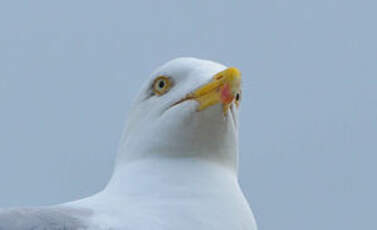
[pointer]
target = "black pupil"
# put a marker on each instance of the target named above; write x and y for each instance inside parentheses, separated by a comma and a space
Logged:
(161, 84)
(238, 96)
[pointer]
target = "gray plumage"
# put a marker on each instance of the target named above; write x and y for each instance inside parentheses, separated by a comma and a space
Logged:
(46, 218)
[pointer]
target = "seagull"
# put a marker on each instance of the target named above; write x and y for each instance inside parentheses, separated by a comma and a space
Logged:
(177, 162)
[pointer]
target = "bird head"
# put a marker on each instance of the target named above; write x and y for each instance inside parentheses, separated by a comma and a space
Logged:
(187, 108)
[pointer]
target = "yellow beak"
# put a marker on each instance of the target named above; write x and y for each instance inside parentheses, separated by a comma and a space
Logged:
(223, 88)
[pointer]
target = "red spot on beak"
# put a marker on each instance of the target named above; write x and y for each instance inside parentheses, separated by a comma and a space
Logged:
(226, 94)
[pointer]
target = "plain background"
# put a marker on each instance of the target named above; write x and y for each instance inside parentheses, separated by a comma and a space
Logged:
(69, 71)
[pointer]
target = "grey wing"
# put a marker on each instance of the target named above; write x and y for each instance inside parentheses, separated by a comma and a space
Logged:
(49, 218)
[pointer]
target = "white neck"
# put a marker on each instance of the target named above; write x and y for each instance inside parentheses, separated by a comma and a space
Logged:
(179, 191)
(170, 176)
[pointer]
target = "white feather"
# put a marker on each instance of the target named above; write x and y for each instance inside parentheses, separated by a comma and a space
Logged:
(176, 168)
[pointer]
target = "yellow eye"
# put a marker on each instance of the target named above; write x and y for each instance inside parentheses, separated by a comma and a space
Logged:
(161, 85)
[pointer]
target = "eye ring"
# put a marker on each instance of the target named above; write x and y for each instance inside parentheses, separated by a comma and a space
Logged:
(161, 85)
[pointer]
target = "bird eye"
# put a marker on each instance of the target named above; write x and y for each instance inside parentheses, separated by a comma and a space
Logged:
(238, 98)
(161, 85)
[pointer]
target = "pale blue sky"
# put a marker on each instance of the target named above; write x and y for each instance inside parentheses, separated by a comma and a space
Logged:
(69, 71)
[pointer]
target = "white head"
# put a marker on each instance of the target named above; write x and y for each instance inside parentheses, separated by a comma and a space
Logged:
(188, 108)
